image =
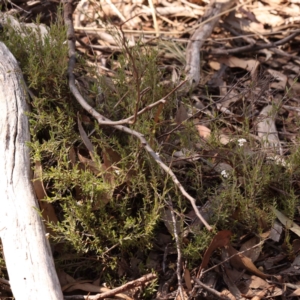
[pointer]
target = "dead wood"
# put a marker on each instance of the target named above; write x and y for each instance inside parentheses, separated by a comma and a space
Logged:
(209, 21)
(27, 252)
(127, 286)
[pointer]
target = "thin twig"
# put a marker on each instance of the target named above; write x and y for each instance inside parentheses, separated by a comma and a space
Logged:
(238, 253)
(209, 289)
(154, 17)
(136, 73)
(215, 16)
(178, 269)
(168, 33)
(161, 101)
(18, 7)
(125, 287)
(105, 121)
(256, 46)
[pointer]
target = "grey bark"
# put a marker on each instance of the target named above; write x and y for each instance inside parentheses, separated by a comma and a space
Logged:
(27, 252)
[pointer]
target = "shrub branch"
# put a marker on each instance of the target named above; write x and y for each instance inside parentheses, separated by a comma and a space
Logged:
(68, 11)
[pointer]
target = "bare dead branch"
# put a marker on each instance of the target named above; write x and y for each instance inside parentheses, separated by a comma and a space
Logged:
(128, 286)
(27, 252)
(213, 13)
(105, 121)
(211, 290)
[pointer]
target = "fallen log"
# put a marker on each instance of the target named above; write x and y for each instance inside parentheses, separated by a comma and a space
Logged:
(27, 252)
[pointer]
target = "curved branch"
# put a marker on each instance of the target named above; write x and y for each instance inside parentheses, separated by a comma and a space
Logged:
(105, 121)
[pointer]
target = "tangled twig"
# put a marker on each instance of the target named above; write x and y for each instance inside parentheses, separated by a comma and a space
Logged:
(68, 11)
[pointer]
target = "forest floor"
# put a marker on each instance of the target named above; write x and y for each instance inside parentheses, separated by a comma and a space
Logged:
(228, 143)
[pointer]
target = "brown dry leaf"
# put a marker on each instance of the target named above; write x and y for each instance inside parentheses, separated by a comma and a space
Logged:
(223, 106)
(200, 2)
(110, 159)
(187, 279)
(231, 284)
(229, 98)
(257, 283)
(294, 87)
(295, 293)
(181, 114)
(166, 216)
(265, 235)
(97, 281)
(290, 66)
(224, 139)
(227, 294)
(37, 182)
(294, 269)
(268, 54)
(254, 286)
(239, 261)
(265, 17)
(232, 273)
(90, 164)
(47, 209)
(270, 262)
(221, 239)
(72, 156)
(251, 65)
(276, 232)
(289, 224)
(203, 131)
(281, 80)
(68, 284)
(296, 245)
(267, 131)
(252, 252)
(64, 278)
(214, 65)
(259, 295)
(243, 24)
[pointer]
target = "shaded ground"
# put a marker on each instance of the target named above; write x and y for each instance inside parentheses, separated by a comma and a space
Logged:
(244, 168)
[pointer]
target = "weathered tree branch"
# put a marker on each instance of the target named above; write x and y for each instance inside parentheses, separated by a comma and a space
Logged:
(127, 286)
(27, 252)
(209, 21)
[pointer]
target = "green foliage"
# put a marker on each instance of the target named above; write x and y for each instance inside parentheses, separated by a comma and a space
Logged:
(116, 210)
(194, 250)
(88, 225)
